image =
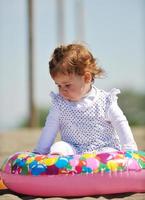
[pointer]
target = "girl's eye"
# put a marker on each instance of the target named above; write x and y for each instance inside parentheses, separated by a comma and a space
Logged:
(68, 85)
(65, 86)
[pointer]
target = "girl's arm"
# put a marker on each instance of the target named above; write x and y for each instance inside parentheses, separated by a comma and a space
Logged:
(121, 125)
(49, 132)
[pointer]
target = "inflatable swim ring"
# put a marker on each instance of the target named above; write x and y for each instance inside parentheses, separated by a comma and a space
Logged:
(78, 175)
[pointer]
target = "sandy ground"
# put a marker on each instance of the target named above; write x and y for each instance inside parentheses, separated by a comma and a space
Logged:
(26, 139)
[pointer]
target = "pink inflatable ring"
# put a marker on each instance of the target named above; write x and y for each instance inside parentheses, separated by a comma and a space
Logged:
(79, 175)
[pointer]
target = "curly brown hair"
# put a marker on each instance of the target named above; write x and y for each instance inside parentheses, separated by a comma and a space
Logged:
(74, 58)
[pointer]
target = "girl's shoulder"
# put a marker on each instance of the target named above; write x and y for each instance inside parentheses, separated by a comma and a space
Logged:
(55, 97)
(107, 96)
(58, 101)
(110, 94)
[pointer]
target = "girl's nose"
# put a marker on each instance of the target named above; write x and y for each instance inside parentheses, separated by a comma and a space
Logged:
(63, 91)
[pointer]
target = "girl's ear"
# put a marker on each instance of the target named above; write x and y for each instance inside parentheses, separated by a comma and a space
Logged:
(88, 77)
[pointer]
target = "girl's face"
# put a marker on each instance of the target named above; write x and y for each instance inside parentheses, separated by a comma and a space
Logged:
(73, 87)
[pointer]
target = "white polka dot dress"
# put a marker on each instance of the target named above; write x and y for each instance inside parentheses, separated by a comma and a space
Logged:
(84, 124)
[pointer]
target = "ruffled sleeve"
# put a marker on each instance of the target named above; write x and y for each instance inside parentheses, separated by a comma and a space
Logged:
(113, 95)
(56, 100)
(111, 99)
(53, 97)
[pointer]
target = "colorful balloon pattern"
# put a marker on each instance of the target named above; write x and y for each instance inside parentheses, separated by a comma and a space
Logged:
(28, 163)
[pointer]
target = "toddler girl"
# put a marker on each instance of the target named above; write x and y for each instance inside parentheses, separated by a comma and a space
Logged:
(87, 118)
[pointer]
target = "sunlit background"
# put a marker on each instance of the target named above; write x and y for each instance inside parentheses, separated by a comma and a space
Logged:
(113, 30)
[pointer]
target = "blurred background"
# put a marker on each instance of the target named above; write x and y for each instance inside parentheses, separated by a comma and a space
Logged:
(30, 30)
